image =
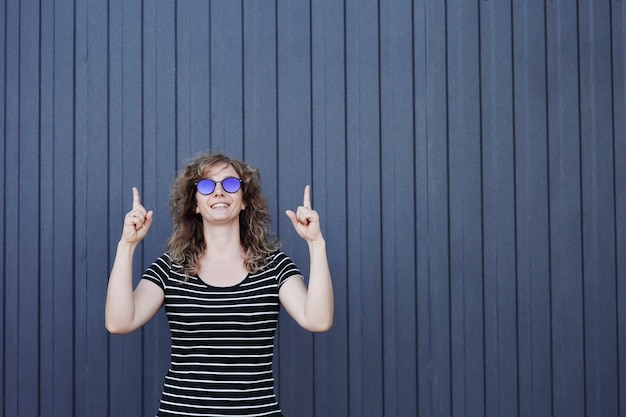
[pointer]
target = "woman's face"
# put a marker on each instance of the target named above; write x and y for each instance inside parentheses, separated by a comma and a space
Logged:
(220, 206)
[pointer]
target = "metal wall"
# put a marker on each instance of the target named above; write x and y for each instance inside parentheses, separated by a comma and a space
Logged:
(467, 159)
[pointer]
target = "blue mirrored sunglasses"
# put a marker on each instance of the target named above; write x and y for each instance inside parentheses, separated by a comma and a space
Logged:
(206, 186)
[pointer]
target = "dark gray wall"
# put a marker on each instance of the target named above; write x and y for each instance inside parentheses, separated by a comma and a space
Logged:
(467, 159)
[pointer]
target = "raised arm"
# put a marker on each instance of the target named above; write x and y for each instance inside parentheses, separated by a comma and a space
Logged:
(310, 307)
(127, 310)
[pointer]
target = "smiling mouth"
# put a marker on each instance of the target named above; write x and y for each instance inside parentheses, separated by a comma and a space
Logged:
(219, 205)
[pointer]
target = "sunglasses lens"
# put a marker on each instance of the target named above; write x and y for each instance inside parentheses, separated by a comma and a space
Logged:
(206, 186)
(231, 185)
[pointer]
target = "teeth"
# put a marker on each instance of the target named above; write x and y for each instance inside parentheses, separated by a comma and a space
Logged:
(219, 205)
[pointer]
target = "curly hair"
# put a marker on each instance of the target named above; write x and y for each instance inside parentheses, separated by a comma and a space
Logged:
(186, 244)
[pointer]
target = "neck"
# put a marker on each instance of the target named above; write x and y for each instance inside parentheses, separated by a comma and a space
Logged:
(222, 240)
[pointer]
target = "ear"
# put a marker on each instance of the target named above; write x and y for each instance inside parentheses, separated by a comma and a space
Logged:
(197, 210)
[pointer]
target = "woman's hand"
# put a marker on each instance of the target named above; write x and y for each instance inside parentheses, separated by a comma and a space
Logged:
(305, 220)
(137, 221)
(312, 307)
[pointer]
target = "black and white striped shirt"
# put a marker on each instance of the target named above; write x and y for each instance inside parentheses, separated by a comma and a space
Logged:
(222, 341)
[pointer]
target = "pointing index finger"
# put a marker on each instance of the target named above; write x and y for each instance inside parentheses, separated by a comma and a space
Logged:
(307, 197)
(136, 199)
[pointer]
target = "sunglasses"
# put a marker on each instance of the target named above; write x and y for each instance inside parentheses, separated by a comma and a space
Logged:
(230, 185)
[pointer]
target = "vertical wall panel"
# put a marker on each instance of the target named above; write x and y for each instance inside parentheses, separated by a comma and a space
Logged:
(565, 241)
(82, 392)
(11, 177)
(434, 388)
(398, 194)
(64, 380)
(125, 154)
(532, 222)
(464, 142)
(329, 196)
(467, 160)
(226, 76)
(28, 207)
(91, 245)
(618, 41)
(598, 210)
(192, 72)
(498, 183)
(159, 166)
(365, 333)
(294, 172)
(3, 229)
(437, 285)
(260, 94)
(46, 217)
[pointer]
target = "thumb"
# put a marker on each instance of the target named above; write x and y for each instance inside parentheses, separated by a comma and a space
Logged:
(148, 221)
(292, 216)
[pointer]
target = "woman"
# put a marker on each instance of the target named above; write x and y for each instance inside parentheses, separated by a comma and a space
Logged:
(221, 280)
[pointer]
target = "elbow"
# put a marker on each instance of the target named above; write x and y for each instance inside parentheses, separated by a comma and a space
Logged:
(112, 328)
(117, 323)
(321, 326)
(115, 328)
(321, 322)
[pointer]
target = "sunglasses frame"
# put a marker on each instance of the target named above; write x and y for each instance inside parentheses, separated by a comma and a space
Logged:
(221, 183)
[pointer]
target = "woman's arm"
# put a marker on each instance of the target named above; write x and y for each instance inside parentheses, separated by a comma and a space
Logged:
(127, 310)
(311, 307)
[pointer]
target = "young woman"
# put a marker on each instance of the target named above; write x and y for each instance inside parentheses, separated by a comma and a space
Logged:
(222, 281)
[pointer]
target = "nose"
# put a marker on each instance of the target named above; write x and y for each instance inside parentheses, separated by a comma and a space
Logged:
(219, 190)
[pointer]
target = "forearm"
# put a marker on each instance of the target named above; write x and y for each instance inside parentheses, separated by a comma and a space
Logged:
(120, 306)
(320, 299)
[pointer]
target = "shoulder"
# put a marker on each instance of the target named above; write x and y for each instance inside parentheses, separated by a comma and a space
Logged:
(161, 265)
(281, 266)
(162, 270)
(277, 258)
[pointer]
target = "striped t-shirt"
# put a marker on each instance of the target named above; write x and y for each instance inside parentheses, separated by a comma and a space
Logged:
(222, 341)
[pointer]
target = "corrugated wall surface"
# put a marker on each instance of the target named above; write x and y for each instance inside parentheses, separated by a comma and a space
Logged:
(467, 159)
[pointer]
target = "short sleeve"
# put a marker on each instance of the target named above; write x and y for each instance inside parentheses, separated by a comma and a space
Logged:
(284, 268)
(159, 271)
